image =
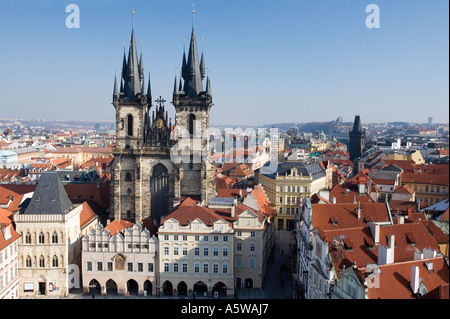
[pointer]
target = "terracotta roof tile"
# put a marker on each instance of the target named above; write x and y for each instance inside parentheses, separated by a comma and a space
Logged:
(394, 280)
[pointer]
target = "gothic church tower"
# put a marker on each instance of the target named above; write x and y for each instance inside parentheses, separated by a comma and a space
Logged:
(192, 105)
(145, 182)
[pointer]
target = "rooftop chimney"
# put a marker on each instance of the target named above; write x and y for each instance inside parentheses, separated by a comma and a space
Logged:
(375, 230)
(418, 255)
(391, 246)
(414, 283)
(429, 253)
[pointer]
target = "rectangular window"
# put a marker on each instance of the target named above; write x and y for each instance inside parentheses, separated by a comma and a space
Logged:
(205, 238)
(110, 266)
(225, 251)
(166, 237)
(166, 250)
(99, 266)
(175, 267)
(205, 251)
(130, 266)
(238, 262)
(166, 267)
(196, 251)
(184, 237)
(251, 262)
(184, 267)
(175, 251)
(89, 266)
(225, 238)
(205, 268)
(225, 268)
(175, 237)
(215, 251)
(215, 238)
(215, 268)
(150, 267)
(196, 268)
(185, 251)
(140, 267)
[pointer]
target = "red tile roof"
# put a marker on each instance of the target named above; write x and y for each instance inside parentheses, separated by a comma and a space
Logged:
(394, 280)
(86, 215)
(339, 216)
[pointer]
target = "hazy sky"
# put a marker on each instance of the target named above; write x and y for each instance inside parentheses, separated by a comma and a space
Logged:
(269, 61)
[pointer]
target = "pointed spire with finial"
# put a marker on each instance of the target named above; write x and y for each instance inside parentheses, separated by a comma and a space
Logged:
(191, 74)
(132, 85)
(115, 92)
(149, 90)
(141, 65)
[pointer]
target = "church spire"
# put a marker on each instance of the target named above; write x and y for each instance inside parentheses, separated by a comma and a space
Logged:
(149, 90)
(115, 92)
(191, 72)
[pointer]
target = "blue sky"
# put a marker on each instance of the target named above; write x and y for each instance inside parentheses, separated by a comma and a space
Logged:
(269, 61)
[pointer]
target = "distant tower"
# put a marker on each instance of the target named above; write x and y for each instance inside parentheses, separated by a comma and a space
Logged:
(430, 121)
(356, 144)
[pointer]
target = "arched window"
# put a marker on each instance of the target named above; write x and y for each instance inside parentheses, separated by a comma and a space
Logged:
(28, 262)
(28, 238)
(191, 123)
(55, 261)
(159, 189)
(41, 238)
(54, 238)
(130, 125)
(41, 262)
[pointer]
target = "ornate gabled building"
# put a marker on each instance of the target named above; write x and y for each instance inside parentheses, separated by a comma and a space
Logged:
(146, 180)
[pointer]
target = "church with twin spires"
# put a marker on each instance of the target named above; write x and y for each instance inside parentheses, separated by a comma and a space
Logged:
(145, 181)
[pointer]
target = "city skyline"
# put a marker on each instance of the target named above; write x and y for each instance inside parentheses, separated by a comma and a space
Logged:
(268, 62)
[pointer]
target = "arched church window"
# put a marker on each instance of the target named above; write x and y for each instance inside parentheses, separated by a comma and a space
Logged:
(41, 262)
(191, 123)
(55, 261)
(159, 188)
(130, 125)
(28, 262)
(28, 238)
(54, 238)
(41, 238)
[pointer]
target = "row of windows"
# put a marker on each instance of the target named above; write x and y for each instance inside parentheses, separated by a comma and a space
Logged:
(7, 252)
(41, 238)
(41, 262)
(429, 200)
(7, 276)
(184, 251)
(293, 189)
(106, 246)
(289, 211)
(197, 268)
(205, 238)
(431, 189)
(290, 200)
(110, 266)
